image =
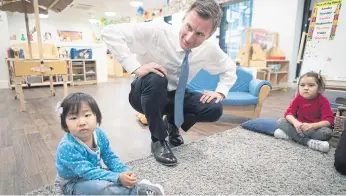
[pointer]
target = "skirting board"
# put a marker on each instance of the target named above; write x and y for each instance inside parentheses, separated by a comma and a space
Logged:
(4, 84)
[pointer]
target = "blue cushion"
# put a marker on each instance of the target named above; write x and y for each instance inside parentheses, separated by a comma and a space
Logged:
(240, 98)
(261, 125)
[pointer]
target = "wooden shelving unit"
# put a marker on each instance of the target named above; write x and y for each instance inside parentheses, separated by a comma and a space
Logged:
(80, 72)
(280, 77)
(34, 80)
(277, 78)
(255, 56)
(83, 71)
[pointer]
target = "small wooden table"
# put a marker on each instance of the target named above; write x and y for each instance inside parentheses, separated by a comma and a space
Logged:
(25, 67)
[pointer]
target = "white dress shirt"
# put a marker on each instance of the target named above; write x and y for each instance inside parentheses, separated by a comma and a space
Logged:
(135, 44)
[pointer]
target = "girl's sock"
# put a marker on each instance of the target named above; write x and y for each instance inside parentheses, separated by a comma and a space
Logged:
(280, 134)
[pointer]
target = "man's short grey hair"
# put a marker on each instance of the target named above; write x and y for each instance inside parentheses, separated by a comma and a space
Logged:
(207, 9)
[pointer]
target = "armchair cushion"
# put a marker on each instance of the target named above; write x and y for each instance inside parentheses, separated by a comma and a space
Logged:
(255, 86)
(240, 99)
(244, 92)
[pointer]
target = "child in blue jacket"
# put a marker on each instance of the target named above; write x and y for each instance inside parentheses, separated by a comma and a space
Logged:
(80, 151)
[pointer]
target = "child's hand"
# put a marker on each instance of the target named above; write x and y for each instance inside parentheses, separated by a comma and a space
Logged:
(298, 126)
(127, 179)
(307, 127)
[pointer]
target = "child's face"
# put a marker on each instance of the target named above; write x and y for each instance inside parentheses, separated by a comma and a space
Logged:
(83, 124)
(308, 87)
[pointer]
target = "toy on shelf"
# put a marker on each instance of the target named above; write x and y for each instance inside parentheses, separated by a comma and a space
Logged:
(15, 52)
(81, 53)
(261, 45)
(276, 54)
(241, 56)
(63, 53)
(257, 53)
(262, 52)
(339, 122)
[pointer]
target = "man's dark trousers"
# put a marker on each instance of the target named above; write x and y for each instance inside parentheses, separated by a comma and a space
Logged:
(149, 96)
(340, 155)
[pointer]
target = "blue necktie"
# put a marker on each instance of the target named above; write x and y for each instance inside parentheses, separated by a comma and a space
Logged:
(180, 92)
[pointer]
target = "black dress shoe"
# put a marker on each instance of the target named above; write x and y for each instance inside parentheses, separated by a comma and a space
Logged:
(162, 153)
(174, 136)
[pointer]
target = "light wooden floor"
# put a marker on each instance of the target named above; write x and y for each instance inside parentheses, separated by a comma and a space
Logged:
(28, 140)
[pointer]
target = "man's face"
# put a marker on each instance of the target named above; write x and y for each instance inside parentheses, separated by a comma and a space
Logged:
(195, 30)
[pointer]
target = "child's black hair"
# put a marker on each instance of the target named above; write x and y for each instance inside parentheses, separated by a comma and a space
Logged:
(72, 103)
(318, 79)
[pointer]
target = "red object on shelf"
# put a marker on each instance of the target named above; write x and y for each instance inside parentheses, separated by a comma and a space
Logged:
(276, 57)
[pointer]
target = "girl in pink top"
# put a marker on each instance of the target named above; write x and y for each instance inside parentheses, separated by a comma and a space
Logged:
(309, 118)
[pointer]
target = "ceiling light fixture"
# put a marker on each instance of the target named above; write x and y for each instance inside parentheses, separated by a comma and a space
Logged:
(136, 3)
(110, 13)
(94, 21)
(43, 15)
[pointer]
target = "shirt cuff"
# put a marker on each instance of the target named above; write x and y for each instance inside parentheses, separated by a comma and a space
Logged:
(222, 89)
(131, 65)
(115, 178)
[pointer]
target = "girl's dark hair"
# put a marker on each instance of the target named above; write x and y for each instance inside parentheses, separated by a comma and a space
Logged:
(318, 79)
(71, 105)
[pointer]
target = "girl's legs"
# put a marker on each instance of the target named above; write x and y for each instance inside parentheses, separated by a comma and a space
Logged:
(289, 129)
(96, 187)
(323, 134)
(305, 140)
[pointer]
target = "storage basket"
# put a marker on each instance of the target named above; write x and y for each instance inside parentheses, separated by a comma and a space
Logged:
(340, 118)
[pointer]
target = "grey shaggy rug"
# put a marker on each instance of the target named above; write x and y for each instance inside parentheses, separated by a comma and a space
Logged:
(239, 161)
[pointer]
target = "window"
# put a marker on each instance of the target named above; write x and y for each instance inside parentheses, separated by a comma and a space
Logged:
(237, 17)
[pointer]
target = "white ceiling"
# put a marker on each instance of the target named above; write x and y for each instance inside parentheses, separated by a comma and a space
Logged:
(98, 7)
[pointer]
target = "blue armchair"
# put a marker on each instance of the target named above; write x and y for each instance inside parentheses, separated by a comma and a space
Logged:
(246, 97)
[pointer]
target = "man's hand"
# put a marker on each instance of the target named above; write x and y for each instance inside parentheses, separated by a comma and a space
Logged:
(210, 95)
(307, 127)
(127, 179)
(151, 67)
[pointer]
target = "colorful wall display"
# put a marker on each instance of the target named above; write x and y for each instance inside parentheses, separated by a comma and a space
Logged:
(69, 36)
(324, 20)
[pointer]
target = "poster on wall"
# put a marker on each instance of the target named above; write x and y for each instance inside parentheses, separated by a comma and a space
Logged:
(324, 20)
(264, 39)
(47, 36)
(13, 37)
(69, 36)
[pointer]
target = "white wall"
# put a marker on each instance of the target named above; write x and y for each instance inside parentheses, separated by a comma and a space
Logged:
(51, 24)
(62, 22)
(284, 17)
(4, 40)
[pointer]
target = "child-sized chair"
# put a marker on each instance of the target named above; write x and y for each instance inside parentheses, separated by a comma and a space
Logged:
(246, 97)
